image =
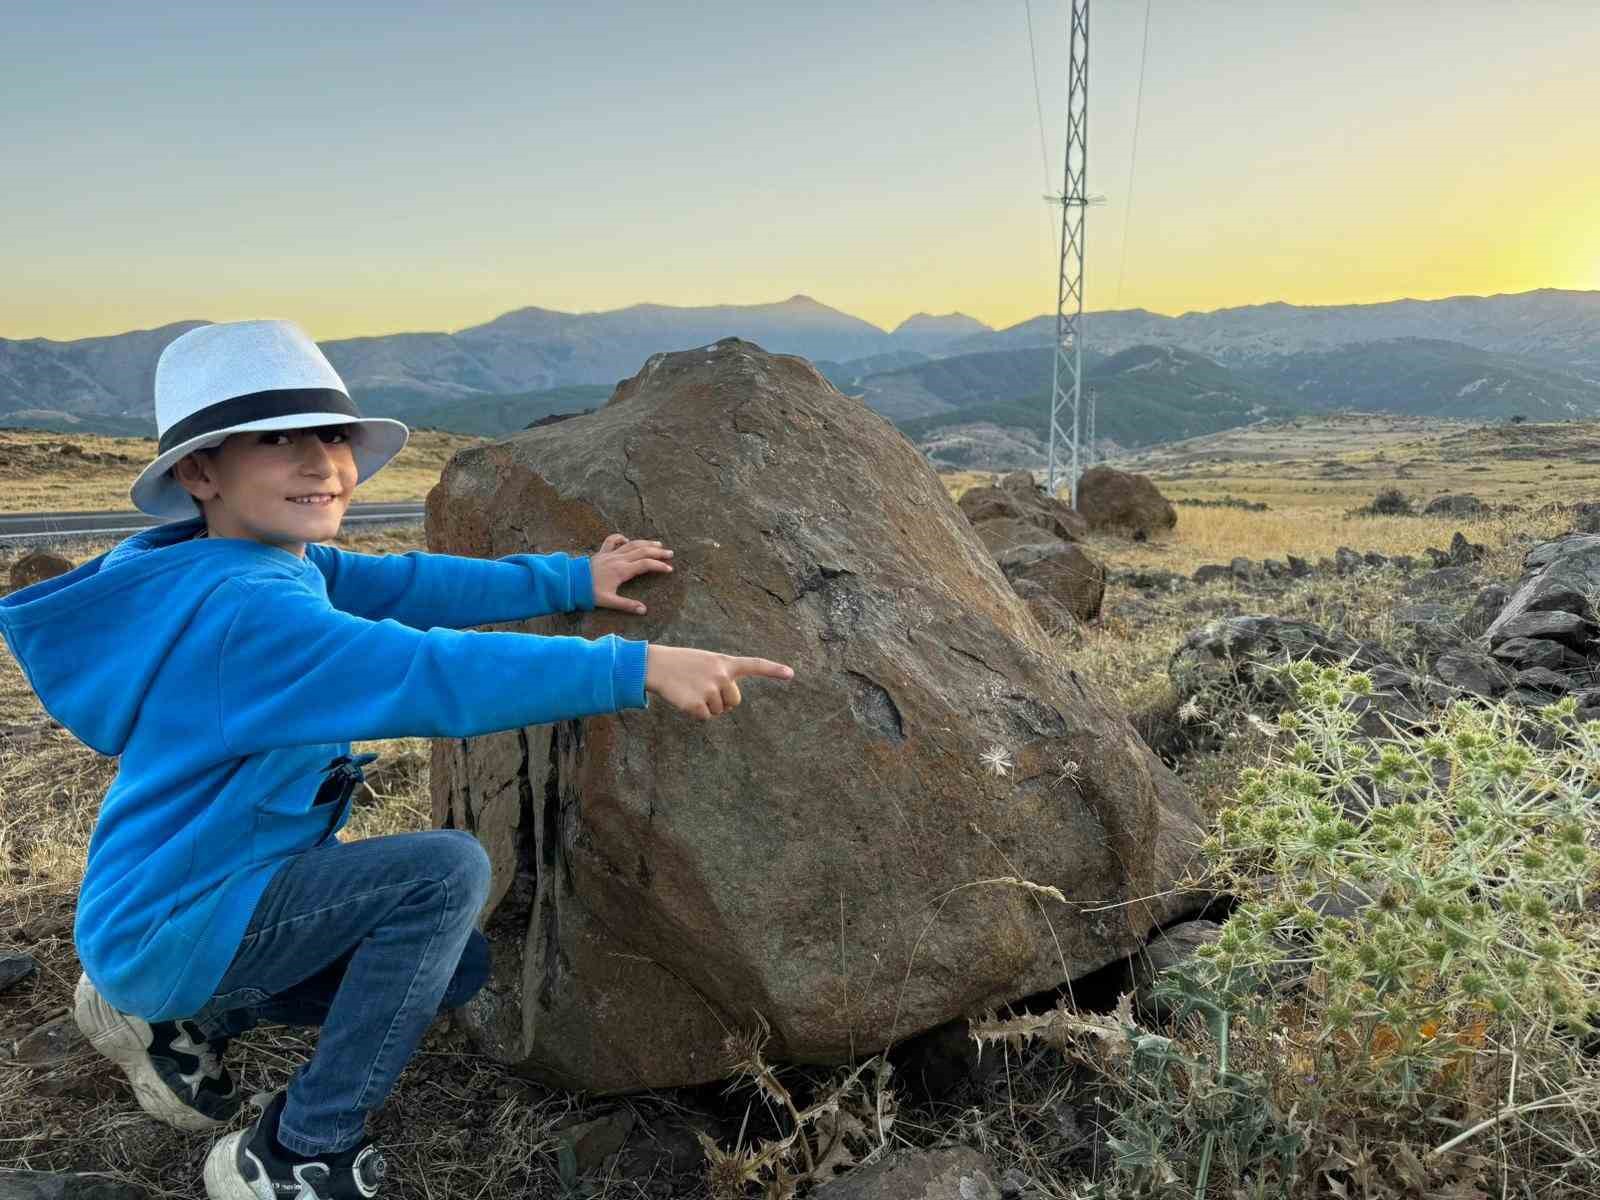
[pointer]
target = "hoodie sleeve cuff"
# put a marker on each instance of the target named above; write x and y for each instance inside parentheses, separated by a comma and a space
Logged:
(580, 581)
(628, 671)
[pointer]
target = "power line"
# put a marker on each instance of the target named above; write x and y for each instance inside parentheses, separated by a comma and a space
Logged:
(1133, 156)
(1038, 105)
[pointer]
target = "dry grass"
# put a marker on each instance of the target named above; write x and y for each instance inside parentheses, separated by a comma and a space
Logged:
(51, 472)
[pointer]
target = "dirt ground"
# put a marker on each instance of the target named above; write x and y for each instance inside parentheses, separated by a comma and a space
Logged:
(459, 1124)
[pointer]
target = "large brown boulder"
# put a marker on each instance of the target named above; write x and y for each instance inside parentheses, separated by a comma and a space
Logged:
(1117, 502)
(1068, 575)
(835, 856)
(1018, 498)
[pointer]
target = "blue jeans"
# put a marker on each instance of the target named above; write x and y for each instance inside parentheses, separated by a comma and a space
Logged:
(369, 940)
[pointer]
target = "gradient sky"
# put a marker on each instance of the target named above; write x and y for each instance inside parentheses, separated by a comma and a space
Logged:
(367, 168)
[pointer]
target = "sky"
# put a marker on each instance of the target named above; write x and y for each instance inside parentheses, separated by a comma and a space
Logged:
(368, 169)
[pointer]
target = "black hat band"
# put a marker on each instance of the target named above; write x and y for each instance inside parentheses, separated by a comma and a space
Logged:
(257, 406)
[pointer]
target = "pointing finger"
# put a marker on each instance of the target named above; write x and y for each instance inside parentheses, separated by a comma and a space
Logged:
(764, 667)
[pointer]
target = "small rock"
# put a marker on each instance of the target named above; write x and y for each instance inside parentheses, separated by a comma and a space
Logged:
(594, 1141)
(1167, 949)
(957, 1174)
(14, 968)
(36, 568)
(1299, 568)
(1275, 569)
(1568, 628)
(1537, 652)
(1346, 561)
(1463, 552)
(52, 1043)
(1485, 608)
(1206, 572)
(50, 1185)
(1242, 569)
(1440, 582)
(1373, 559)
(1470, 671)
(1403, 563)
(1542, 680)
(1461, 504)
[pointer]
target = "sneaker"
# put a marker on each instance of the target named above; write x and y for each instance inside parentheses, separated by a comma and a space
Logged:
(249, 1165)
(177, 1076)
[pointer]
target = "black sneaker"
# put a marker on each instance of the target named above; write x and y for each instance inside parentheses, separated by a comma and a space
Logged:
(249, 1166)
(177, 1077)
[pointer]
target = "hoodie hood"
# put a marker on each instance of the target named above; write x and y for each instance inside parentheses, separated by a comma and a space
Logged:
(91, 641)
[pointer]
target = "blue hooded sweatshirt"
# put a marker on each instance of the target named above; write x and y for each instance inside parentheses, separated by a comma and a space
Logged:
(231, 677)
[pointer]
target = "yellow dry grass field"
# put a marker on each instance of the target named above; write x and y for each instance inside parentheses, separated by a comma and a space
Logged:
(57, 472)
(460, 1125)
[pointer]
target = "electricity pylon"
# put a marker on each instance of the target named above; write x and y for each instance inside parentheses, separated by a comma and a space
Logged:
(1066, 379)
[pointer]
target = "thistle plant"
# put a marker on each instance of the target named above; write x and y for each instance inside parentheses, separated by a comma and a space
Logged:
(1395, 1005)
(1470, 855)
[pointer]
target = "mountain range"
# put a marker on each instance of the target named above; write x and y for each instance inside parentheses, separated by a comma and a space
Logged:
(1157, 377)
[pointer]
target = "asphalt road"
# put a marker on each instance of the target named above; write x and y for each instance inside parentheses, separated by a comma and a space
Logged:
(43, 528)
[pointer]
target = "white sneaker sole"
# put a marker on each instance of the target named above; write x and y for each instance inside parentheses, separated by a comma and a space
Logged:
(125, 1040)
(221, 1174)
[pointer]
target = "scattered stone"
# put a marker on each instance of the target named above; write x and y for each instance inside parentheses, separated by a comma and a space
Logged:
(1069, 576)
(1230, 650)
(1167, 949)
(1543, 681)
(14, 968)
(51, 1044)
(51, 1185)
(1462, 552)
(1117, 502)
(36, 567)
(1433, 625)
(1299, 568)
(594, 1141)
(1485, 608)
(1373, 559)
(1567, 628)
(1019, 498)
(1154, 579)
(1472, 671)
(1242, 569)
(1536, 652)
(1440, 582)
(956, 1174)
(1053, 616)
(1403, 563)
(1008, 533)
(1274, 569)
(1346, 561)
(1457, 504)
(1206, 572)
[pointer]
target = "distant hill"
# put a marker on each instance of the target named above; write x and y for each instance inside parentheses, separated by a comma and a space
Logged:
(482, 416)
(1311, 357)
(936, 335)
(943, 384)
(1427, 377)
(1144, 395)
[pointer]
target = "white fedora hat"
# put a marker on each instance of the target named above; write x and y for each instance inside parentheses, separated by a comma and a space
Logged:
(248, 375)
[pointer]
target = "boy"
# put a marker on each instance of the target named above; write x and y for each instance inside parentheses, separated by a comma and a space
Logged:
(230, 659)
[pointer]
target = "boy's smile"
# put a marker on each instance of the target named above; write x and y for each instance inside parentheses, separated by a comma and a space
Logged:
(283, 487)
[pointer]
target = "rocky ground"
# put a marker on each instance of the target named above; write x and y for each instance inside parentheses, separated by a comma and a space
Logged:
(1175, 623)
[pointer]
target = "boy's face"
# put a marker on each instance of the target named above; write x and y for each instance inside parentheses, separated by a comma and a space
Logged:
(284, 487)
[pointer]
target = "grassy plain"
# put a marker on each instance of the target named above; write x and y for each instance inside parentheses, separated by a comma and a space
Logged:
(458, 1124)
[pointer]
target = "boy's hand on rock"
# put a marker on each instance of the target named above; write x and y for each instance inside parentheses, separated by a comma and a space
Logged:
(619, 560)
(703, 683)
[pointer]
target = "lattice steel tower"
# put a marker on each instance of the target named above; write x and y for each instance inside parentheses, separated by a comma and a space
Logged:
(1066, 382)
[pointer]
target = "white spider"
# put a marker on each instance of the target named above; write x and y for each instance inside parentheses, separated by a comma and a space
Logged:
(997, 759)
(1190, 710)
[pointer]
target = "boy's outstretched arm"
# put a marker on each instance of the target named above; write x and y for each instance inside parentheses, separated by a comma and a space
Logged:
(293, 670)
(451, 591)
